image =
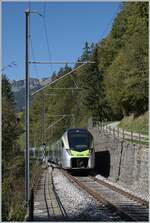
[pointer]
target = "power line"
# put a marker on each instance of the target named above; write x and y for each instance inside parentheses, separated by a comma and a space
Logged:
(110, 22)
(9, 66)
(29, 5)
(65, 75)
(31, 42)
(60, 62)
(46, 33)
(46, 36)
(33, 56)
(44, 9)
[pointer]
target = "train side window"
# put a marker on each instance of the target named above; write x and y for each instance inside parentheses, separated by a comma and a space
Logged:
(62, 144)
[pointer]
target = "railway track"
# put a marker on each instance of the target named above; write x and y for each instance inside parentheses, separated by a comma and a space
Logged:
(47, 205)
(127, 194)
(124, 206)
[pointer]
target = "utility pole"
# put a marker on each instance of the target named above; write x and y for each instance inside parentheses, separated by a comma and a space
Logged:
(27, 102)
(43, 120)
(27, 97)
(27, 195)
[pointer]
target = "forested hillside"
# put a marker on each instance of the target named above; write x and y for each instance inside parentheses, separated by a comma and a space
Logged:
(13, 163)
(115, 86)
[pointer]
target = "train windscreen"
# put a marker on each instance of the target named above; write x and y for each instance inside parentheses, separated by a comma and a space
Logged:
(80, 141)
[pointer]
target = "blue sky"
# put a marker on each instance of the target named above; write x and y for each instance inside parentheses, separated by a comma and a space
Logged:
(69, 25)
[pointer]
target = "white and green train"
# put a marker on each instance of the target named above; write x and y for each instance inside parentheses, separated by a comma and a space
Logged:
(74, 150)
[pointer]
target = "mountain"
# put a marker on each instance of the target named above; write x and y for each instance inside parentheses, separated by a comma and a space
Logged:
(18, 88)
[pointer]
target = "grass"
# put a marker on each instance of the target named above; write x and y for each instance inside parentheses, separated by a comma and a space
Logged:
(138, 124)
(13, 190)
(36, 170)
(21, 141)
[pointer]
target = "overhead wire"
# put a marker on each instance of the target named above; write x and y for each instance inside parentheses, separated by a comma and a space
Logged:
(44, 8)
(33, 56)
(31, 43)
(110, 22)
(29, 5)
(46, 33)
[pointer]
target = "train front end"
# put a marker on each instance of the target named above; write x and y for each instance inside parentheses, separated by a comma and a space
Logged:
(81, 149)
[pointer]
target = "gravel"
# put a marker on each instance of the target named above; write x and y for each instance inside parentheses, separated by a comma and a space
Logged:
(78, 204)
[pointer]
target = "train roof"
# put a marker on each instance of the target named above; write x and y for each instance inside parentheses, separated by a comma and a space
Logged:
(78, 130)
(75, 130)
(65, 134)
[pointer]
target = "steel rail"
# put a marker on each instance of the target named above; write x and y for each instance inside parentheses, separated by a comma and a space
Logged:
(45, 194)
(63, 211)
(126, 194)
(54, 207)
(123, 214)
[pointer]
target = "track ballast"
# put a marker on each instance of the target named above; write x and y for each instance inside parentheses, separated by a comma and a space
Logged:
(124, 205)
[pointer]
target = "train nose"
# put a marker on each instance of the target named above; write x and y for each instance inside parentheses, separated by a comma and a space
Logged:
(80, 163)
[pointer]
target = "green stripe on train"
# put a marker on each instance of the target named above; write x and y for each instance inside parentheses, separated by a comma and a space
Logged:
(85, 153)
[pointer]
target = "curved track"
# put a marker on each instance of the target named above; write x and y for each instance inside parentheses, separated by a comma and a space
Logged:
(126, 194)
(48, 207)
(124, 205)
